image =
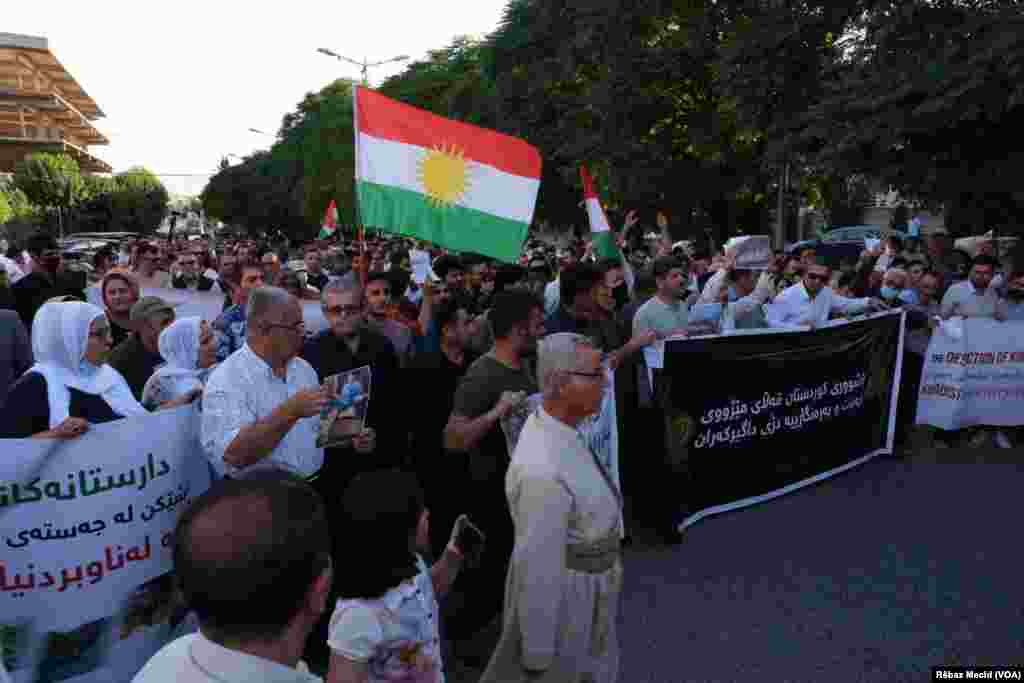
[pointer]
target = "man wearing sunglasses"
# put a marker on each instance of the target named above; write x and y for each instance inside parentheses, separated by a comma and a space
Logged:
(811, 301)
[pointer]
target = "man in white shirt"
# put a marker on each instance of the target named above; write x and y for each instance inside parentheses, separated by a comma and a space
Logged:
(975, 297)
(264, 539)
(809, 303)
(263, 403)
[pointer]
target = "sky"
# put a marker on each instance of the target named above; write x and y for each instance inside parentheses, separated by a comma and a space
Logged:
(181, 82)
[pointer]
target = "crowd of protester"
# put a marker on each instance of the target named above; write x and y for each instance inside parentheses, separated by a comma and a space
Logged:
(449, 356)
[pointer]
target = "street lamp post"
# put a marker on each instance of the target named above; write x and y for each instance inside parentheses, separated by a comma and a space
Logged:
(364, 66)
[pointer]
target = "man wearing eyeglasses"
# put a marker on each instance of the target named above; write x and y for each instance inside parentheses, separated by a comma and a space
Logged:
(262, 404)
(810, 302)
(347, 344)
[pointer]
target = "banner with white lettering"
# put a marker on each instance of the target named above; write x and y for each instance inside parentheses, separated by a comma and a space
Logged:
(86, 529)
(973, 375)
(752, 417)
(209, 305)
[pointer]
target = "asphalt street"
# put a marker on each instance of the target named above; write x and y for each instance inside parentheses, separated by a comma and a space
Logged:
(876, 575)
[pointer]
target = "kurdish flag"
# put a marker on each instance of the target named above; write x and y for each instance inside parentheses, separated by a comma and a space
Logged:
(600, 232)
(330, 224)
(459, 186)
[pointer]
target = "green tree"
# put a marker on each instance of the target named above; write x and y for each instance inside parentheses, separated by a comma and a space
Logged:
(50, 181)
(289, 187)
(259, 194)
(139, 201)
(452, 82)
(632, 88)
(925, 99)
(318, 139)
(6, 212)
(95, 185)
(23, 209)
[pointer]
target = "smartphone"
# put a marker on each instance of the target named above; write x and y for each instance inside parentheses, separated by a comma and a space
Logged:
(469, 539)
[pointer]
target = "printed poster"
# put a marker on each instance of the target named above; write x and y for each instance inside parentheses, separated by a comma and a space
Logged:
(973, 375)
(343, 419)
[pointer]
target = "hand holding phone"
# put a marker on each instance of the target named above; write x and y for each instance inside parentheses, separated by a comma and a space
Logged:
(468, 540)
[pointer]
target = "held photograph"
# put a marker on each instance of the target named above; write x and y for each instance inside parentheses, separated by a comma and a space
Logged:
(344, 418)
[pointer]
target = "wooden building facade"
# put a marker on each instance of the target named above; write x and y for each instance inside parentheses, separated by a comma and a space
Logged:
(43, 108)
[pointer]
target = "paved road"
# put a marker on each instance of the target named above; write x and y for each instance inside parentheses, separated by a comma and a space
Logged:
(876, 575)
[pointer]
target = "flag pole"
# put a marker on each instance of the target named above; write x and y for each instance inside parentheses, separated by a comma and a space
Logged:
(360, 226)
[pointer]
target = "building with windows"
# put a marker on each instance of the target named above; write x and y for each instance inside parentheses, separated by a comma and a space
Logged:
(43, 108)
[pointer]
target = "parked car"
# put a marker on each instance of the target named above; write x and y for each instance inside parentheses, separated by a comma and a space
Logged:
(115, 236)
(843, 245)
(972, 245)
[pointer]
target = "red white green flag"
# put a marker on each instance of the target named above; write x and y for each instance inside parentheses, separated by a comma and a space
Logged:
(600, 232)
(330, 224)
(459, 186)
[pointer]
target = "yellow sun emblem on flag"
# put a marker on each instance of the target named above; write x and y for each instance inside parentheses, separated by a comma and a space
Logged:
(444, 174)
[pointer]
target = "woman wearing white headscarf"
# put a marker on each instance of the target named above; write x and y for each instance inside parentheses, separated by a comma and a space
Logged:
(190, 349)
(70, 386)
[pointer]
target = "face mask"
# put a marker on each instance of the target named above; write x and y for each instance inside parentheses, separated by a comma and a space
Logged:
(1016, 294)
(908, 296)
(889, 293)
(733, 296)
(621, 294)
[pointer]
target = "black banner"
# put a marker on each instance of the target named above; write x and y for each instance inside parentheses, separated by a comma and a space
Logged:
(754, 416)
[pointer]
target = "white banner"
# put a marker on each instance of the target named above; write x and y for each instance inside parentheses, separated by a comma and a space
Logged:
(86, 529)
(973, 375)
(752, 252)
(209, 305)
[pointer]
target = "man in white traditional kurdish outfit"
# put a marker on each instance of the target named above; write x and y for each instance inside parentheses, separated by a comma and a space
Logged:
(564, 581)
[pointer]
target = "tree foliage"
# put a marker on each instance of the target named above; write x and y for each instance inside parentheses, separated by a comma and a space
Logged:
(49, 180)
(132, 201)
(694, 109)
(924, 100)
(289, 187)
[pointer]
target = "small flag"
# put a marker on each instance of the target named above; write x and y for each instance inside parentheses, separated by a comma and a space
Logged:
(330, 225)
(600, 232)
(459, 186)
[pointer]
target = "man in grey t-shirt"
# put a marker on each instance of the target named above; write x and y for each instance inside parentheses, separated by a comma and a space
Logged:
(666, 312)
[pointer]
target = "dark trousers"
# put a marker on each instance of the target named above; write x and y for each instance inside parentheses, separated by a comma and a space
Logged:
(478, 593)
(906, 405)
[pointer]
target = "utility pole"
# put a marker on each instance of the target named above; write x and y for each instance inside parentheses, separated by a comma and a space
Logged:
(364, 66)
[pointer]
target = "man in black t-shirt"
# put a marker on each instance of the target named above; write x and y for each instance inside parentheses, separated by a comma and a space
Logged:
(495, 384)
(438, 374)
